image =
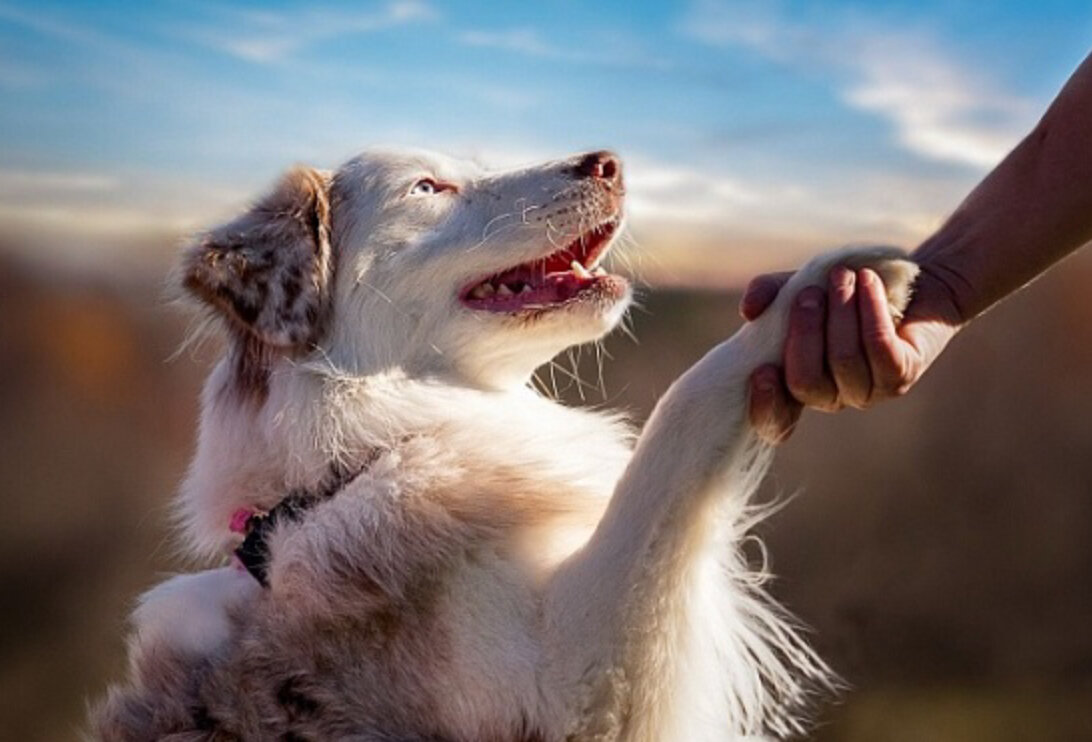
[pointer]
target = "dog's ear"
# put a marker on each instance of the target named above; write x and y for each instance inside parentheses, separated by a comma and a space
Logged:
(269, 270)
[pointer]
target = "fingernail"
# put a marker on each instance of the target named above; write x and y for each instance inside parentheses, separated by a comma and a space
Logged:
(764, 384)
(809, 299)
(866, 276)
(842, 279)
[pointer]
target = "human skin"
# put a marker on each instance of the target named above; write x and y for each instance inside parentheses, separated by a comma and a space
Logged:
(843, 350)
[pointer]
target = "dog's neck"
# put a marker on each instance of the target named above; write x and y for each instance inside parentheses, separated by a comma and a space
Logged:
(251, 455)
(504, 365)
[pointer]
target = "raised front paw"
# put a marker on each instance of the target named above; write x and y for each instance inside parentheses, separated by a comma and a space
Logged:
(766, 334)
(892, 265)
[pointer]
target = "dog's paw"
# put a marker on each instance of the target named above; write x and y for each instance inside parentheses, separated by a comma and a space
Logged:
(892, 265)
(895, 270)
(191, 613)
(765, 336)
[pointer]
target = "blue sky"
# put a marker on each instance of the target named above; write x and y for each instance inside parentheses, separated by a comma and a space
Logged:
(754, 132)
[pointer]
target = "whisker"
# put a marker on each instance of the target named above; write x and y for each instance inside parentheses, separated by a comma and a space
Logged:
(627, 330)
(568, 374)
(599, 353)
(538, 386)
(573, 355)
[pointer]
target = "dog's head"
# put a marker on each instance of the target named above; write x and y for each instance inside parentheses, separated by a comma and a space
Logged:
(421, 263)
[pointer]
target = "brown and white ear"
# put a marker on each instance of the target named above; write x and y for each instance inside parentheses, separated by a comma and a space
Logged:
(269, 270)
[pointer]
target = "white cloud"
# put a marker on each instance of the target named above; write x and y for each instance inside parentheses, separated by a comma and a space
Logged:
(938, 106)
(703, 227)
(50, 25)
(519, 40)
(86, 220)
(666, 193)
(619, 51)
(86, 204)
(756, 25)
(267, 36)
(860, 205)
(27, 181)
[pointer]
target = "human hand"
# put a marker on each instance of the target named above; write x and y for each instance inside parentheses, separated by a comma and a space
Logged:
(843, 349)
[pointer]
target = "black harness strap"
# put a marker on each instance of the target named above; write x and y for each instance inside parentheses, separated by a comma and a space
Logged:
(253, 553)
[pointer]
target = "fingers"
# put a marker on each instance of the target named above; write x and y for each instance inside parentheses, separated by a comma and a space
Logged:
(805, 350)
(845, 352)
(842, 349)
(760, 293)
(884, 349)
(773, 412)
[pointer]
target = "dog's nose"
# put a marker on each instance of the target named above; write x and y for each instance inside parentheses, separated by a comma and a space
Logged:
(602, 165)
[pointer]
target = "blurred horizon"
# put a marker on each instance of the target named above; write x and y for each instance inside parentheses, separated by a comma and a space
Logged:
(754, 133)
(937, 545)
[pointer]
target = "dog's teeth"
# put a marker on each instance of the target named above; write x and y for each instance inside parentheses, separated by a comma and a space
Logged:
(503, 290)
(526, 289)
(482, 291)
(580, 270)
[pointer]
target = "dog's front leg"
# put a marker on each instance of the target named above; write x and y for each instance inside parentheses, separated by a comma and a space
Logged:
(616, 612)
(621, 624)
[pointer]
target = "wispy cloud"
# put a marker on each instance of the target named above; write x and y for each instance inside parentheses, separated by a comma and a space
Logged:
(759, 26)
(28, 181)
(667, 193)
(266, 36)
(50, 25)
(84, 205)
(525, 41)
(83, 222)
(862, 205)
(528, 42)
(703, 227)
(938, 106)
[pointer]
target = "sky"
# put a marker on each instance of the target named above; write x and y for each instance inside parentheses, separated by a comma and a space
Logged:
(753, 133)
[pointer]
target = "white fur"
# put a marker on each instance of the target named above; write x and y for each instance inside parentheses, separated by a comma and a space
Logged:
(190, 612)
(612, 600)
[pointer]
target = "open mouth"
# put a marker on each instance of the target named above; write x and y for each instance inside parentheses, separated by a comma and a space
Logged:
(560, 277)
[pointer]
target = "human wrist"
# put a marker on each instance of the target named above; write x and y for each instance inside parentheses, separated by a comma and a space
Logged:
(949, 278)
(940, 294)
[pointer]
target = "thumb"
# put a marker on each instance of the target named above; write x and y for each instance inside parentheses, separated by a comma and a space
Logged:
(761, 292)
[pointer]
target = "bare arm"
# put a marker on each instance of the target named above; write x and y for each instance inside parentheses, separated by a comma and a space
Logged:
(1029, 212)
(1032, 210)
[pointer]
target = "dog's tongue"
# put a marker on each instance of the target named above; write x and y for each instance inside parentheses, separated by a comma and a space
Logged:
(559, 286)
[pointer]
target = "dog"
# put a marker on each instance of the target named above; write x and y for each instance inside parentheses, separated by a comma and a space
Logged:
(426, 549)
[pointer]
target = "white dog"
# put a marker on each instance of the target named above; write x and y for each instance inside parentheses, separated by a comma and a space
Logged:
(432, 550)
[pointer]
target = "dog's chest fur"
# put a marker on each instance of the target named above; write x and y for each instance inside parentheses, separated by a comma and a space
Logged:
(420, 578)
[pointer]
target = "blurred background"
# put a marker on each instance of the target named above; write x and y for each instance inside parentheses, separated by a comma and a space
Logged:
(940, 545)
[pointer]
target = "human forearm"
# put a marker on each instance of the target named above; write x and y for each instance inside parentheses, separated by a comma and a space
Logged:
(1032, 210)
(1029, 212)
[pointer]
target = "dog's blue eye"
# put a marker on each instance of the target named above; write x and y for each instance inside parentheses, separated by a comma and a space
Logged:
(425, 187)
